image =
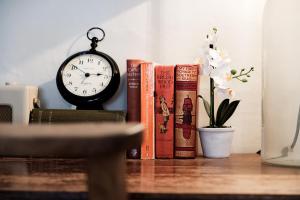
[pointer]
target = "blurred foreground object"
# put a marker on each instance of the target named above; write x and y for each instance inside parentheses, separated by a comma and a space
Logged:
(103, 145)
(16, 102)
(281, 94)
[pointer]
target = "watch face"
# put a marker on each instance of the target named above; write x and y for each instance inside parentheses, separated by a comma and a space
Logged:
(88, 78)
(87, 75)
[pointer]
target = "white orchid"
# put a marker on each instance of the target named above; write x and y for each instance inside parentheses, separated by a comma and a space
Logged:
(216, 65)
(212, 37)
(227, 93)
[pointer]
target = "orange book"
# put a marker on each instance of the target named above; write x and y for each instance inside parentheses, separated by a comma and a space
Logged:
(164, 111)
(147, 110)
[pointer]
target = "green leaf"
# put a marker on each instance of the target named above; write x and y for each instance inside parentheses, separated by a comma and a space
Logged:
(206, 105)
(233, 72)
(228, 112)
(221, 111)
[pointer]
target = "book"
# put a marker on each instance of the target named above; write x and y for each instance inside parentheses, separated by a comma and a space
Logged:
(147, 110)
(133, 100)
(55, 116)
(186, 78)
(164, 111)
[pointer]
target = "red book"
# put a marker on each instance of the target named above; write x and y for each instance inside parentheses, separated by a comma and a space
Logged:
(164, 111)
(133, 99)
(185, 110)
(147, 110)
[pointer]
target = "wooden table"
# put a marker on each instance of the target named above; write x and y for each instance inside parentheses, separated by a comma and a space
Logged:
(103, 145)
(242, 176)
(239, 177)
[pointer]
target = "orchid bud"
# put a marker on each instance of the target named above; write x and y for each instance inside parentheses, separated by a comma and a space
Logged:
(233, 71)
(244, 80)
(215, 30)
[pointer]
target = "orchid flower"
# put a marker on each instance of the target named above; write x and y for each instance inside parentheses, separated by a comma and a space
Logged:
(216, 65)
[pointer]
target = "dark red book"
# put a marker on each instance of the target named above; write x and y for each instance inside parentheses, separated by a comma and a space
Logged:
(134, 99)
(164, 111)
(185, 110)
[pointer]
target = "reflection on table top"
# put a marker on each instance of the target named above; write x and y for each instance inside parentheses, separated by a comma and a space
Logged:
(240, 175)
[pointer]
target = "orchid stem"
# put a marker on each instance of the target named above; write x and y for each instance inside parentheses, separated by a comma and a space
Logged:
(212, 103)
(243, 74)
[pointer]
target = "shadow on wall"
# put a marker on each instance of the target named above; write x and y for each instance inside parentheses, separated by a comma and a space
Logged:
(119, 100)
(49, 90)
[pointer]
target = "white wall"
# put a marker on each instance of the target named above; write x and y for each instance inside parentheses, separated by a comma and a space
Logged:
(36, 36)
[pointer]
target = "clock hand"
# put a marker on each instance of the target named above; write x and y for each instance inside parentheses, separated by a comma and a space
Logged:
(98, 74)
(84, 78)
(79, 69)
(86, 74)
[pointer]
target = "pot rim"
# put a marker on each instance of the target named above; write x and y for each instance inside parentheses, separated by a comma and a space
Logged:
(227, 129)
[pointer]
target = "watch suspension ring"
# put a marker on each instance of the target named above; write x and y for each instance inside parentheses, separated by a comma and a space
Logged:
(94, 39)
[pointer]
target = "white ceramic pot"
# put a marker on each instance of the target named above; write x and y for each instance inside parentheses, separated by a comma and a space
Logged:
(216, 142)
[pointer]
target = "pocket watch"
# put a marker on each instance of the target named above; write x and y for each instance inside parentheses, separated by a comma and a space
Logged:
(88, 78)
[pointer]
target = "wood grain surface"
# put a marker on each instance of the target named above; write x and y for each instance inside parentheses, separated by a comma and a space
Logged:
(240, 175)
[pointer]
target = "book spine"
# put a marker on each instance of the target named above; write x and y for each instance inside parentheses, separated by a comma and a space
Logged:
(185, 110)
(54, 116)
(147, 110)
(164, 111)
(133, 100)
